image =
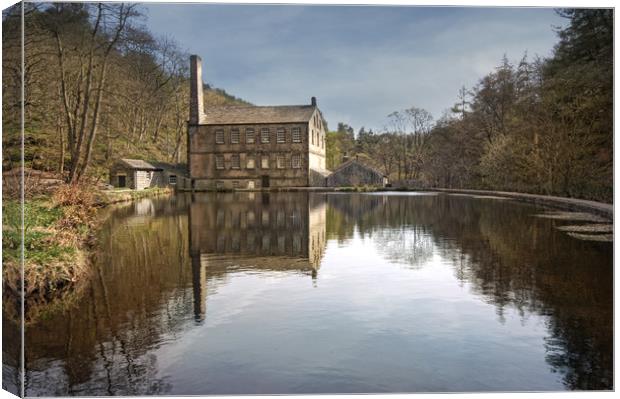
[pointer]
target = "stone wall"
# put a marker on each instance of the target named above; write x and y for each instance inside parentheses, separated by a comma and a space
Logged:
(204, 150)
(143, 179)
(121, 170)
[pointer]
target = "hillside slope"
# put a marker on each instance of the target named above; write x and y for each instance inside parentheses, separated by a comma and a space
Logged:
(42, 141)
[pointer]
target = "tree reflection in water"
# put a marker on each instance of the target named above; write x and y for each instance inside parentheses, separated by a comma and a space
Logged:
(511, 259)
(161, 260)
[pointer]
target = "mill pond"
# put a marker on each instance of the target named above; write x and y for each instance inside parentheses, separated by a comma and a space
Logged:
(284, 293)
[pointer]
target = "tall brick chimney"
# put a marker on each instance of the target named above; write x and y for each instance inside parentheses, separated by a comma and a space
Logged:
(313, 101)
(196, 103)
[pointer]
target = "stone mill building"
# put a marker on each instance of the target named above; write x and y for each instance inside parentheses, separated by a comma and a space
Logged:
(253, 146)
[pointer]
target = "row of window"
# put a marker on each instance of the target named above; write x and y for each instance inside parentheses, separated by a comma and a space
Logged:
(263, 242)
(264, 135)
(248, 218)
(250, 162)
(317, 139)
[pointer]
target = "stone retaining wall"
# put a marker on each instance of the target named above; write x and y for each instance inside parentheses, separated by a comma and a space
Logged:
(569, 204)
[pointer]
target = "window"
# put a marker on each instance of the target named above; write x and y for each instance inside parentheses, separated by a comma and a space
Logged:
(264, 135)
(219, 136)
(249, 163)
(281, 244)
(296, 132)
(235, 242)
(221, 243)
(234, 136)
(280, 162)
(281, 135)
(172, 179)
(219, 162)
(250, 242)
(235, 184)
(265, 218)
(249, 135)
(296, 161)
(264, 162)
(235, 163)
(296, 244)
(219, 184)
(235, 217)
(266, 243)
(312, 140)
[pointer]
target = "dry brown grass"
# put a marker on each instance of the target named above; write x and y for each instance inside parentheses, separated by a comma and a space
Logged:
(78, 204)
(58, 230)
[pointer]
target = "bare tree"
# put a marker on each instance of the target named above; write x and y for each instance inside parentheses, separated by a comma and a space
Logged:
(97, 28)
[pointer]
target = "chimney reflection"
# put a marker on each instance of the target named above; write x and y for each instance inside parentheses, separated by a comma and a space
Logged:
(244, 231)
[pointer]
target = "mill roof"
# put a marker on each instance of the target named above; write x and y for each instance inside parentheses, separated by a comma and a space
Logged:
(249, 114)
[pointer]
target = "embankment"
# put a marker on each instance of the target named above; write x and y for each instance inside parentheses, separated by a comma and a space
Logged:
(59, 234)
(568, 204)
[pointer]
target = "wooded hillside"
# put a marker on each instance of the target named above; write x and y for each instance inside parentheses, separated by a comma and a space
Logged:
(99, 86)
(538, 126)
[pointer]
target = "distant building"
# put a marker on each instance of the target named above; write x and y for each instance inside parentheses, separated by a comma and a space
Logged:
(138, 174)
(253, 146)
(354, 172)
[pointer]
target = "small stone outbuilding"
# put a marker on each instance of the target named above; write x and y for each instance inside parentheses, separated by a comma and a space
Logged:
(137, 174)
(355, 173)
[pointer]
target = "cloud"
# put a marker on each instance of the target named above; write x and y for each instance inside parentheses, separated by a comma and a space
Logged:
(360, 62)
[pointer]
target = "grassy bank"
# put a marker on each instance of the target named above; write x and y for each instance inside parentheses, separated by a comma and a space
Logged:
(59, 234)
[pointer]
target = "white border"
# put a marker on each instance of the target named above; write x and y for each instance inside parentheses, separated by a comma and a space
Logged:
(508, 3)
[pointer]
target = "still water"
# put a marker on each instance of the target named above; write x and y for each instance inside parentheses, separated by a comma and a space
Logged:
(251, 293)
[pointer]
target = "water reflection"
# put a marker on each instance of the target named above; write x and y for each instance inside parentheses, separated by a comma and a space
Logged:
(250, 231)
(513, 260)
(307, 292)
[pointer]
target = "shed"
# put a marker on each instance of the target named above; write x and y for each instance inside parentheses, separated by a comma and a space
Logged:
(355, 173)
(138, 174)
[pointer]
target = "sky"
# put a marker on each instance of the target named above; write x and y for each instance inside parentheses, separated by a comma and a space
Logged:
(360, 62)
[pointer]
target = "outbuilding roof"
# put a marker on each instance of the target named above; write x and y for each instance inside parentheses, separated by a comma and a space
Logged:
(138, 164)
(250, 114)
(360, 163)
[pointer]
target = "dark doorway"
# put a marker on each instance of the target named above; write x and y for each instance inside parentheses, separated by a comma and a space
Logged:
(265, 181)
(122, 181)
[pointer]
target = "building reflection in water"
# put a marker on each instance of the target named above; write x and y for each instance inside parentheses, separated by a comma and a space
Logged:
(254, 231)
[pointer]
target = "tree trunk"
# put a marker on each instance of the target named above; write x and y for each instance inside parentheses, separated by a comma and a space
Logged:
(94, 124)
(61, 136)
